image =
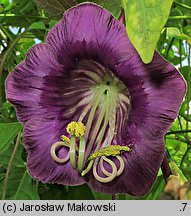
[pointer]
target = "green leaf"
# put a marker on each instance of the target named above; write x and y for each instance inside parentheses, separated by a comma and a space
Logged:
(52, 23)
(113, 6)
(25, 190)
(18, 159)
(14, 179)
(37, 25)
(56, 8)
(8, 131)
(175, 32)
(144, 21)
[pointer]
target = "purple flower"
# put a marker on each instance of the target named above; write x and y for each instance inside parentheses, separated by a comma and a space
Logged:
(92, 110)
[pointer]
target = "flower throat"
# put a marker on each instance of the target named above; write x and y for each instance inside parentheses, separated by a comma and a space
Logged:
(92, 137)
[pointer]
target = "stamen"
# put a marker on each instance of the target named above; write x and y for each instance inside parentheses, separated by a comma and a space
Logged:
(80, 129)
(119, 171)
(96, 129)
(94, 76)
(65, 139)
(124, 98)
(122, 165)
(81, 154)
(71, 128)
(111, 131)
(84, 113)
(91, 115)
(93, 102)
(86, 100)
(77, 129)
(73, 151)
(84, 172)
(102, 167)
(110, 177)
(53, 152)
(112, 150)
(102, 132)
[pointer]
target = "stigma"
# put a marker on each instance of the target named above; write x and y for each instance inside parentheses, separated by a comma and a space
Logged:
(93, 141)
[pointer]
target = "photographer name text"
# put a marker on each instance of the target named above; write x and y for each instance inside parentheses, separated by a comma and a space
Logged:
(70, 207)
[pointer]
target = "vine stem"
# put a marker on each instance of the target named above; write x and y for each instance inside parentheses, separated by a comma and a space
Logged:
(182, 5)
(166, 168)
(178, 132)
(178, 17)
(168, 48)
(9, 166)
(22, 16)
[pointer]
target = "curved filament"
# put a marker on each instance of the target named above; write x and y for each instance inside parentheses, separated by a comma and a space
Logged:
(119, 171)
(122, 165)
(105, 172)
(108, 178)
(53, 152)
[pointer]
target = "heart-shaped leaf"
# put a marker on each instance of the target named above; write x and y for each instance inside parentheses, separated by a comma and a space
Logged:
(56, 8)
(144, 22)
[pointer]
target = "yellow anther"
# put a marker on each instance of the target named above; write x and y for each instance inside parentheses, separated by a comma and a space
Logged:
(77, 129)
(112, 150)
(71, 128)
(80, 129)
(65, 138)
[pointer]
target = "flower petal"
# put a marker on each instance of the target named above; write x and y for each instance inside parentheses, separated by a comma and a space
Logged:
(29, 85)
(87, 31)
(157, 90)
(39, 137)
